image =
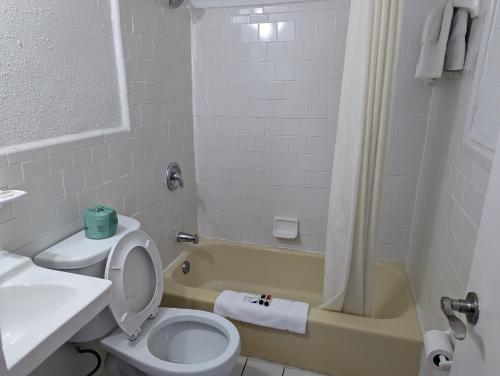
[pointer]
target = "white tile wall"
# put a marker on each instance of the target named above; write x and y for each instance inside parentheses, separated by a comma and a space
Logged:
(126, 172)
(486, 128)
(406, 139)
(267, 85)
(450, 199)
(265, 119)
(450, 202)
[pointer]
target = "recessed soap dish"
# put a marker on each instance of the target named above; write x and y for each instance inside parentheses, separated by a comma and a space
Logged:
(10, 195)
(285, 228)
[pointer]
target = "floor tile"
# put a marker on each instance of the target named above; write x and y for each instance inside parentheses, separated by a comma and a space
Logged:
(299, 372)
(238, 368)
(260, 368)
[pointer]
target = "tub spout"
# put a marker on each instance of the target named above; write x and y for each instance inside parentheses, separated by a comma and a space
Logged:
(184, 237)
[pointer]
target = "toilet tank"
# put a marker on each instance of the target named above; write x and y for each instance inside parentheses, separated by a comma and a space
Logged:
(80, 255)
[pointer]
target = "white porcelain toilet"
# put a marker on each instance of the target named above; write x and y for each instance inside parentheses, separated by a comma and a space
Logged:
(148, 340)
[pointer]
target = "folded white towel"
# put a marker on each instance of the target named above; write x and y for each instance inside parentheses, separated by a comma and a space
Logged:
(280, 314)
(434, 41)
(457, 45)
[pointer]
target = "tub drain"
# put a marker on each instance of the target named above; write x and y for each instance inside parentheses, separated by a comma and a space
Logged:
(186, 267)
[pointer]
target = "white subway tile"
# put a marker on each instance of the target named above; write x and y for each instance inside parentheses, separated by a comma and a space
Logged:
(35, 168)
(87, 199)
(51, 188)
(93, 174)
(82, 156)
(74, 181)
(258, 52)
(6, 214)
(258, 18)
(3, 159)
(267, 32)
(250, 33)
(21, 153)
(240, 19)
(256, 10)
(63, 161)
(29, 202)
(284, 71)
(286, 31)
(67, 211)
(17, 232)
(276, 51)
(11, 175)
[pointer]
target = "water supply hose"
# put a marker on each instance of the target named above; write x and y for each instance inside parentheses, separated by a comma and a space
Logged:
(93, 352)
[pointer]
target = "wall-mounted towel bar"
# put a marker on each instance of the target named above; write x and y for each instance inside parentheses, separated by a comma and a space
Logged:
(471, 5)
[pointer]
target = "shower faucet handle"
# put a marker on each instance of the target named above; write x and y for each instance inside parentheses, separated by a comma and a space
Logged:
(177, 176)
(469, 306)
(173, 176)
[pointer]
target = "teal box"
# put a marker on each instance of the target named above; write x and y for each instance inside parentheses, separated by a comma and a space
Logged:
(100, 222)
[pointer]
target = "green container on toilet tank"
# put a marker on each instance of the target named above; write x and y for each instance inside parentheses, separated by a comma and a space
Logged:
(100, 222)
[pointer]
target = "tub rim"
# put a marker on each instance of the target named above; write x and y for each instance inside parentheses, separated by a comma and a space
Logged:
(405, 326)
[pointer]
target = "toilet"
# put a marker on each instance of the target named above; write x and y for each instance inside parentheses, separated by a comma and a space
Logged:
(141, 338)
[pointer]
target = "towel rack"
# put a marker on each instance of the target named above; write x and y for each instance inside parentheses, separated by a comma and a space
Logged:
(471, 5)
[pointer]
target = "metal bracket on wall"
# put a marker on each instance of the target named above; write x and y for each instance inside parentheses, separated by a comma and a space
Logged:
(469, 306)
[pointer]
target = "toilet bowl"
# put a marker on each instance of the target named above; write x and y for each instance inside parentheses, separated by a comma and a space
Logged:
(177, 342)
(148, 340)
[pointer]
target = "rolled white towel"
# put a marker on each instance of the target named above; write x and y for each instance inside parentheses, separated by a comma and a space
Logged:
(281, 314)
(457, 45)
(434, 41)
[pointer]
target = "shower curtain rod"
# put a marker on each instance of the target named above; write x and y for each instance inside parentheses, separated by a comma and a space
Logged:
(239, 3)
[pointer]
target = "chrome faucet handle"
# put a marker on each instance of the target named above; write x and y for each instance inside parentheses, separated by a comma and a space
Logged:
(469, 306)
(177, 176)
(173, 176)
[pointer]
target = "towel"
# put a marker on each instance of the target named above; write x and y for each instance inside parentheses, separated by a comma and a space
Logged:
(281, 314)
(457, 45)
(434, 41)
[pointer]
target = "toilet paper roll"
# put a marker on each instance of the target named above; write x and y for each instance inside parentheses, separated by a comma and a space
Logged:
(438, 344)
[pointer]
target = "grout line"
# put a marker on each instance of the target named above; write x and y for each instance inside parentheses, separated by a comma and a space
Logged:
(283, 373)
(244, 366)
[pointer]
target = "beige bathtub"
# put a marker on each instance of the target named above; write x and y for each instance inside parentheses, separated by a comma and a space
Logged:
(389, 344)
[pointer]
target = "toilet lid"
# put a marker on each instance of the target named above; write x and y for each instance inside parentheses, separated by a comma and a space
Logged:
(134, 267)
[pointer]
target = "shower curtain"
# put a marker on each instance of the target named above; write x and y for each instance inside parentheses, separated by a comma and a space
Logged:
(3, 366)
(358, 167)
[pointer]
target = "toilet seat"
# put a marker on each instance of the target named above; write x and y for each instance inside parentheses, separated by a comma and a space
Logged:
(134, 266)
(140, 353)
(178, 342)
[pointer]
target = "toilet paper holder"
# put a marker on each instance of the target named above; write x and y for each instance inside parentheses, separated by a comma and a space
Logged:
(469, 306)
(439, 348)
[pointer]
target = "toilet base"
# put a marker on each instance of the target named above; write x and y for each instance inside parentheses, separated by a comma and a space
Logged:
(177, 342)
(117, 367)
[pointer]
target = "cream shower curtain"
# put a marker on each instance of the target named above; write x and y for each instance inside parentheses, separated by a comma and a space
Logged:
(3, 366)
(363, 128)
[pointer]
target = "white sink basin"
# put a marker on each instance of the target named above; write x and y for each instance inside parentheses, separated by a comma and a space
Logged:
(40, 309)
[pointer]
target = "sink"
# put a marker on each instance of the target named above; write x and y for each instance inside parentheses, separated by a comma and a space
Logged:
(17, 319)
(41, 309)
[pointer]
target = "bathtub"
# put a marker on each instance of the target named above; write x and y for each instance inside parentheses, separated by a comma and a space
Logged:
(337, 344)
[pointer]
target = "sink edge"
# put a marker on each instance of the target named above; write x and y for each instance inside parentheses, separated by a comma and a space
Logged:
(51, 343)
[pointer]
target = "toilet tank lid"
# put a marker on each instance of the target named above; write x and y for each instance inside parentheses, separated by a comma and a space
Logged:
(77, 251)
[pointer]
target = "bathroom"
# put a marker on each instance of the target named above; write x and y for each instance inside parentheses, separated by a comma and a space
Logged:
(250, 98)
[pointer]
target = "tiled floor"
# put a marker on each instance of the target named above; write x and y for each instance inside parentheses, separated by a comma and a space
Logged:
(254, 367)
